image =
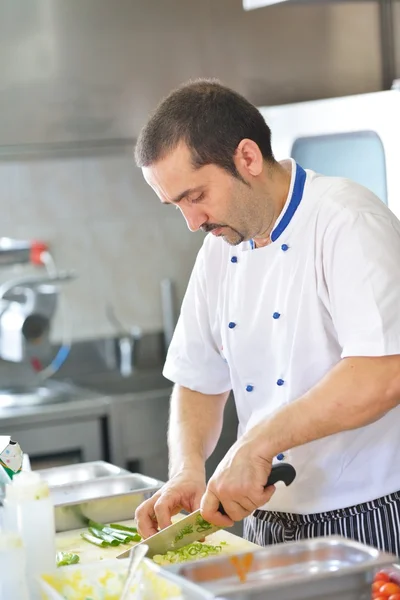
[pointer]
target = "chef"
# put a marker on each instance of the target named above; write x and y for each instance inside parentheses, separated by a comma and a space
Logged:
(294, 305)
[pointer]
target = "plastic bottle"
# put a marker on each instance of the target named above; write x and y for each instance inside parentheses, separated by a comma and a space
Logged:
(29, 511)
(12, 565)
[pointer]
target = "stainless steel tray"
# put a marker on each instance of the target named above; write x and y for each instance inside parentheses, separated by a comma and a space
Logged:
(331, 568)
(80, 473)
(105, 500)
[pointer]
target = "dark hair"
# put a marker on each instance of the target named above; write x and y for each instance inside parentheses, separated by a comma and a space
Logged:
(211, 119)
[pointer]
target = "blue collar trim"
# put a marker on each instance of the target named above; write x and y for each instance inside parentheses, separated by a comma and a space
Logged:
(297, 195)
(295, 200)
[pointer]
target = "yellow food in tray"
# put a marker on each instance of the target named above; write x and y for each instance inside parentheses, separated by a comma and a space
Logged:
(105, 581)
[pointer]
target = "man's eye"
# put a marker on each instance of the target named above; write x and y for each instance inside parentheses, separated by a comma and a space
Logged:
(198, 199)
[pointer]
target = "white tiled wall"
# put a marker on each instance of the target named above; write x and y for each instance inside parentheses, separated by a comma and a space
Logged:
(101, 219)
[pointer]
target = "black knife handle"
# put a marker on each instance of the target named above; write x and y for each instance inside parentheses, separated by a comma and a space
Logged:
(280, 472)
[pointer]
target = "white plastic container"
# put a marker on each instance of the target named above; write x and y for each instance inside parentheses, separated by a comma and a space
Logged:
(106, 580)
(12, 565)
(28, 511)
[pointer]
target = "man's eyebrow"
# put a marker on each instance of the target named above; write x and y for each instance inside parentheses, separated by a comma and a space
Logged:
(182, 195)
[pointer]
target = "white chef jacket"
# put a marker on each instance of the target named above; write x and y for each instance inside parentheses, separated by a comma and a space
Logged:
(270, 322)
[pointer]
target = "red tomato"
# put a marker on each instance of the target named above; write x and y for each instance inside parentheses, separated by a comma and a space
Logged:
(380, 597)
(376, 586)
(388, 589)
(394, 597)
(382, 576)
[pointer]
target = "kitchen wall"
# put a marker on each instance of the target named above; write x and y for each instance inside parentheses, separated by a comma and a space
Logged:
(92, 71)
(100, 218)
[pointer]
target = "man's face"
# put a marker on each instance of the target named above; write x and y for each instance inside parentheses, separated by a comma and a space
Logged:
(209, 198)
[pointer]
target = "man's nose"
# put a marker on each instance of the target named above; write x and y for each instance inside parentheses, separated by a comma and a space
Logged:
(194, 217)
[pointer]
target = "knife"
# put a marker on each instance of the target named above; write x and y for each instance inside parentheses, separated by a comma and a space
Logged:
(193, 527)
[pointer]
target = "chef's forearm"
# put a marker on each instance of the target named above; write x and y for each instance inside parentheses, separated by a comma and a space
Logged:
(356, 392)
(195, 425)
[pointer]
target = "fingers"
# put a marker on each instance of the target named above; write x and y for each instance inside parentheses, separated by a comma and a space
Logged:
(145, 517)
(172, 502)
(268, 493)
(196, 502)
(166, 506)
(156, 513)
(238, 502)
(209, 510)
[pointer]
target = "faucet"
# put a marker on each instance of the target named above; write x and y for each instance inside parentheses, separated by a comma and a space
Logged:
(126, 350)
(125, 343)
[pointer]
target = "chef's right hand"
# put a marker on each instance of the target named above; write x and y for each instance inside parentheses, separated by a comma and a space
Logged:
(183, 491)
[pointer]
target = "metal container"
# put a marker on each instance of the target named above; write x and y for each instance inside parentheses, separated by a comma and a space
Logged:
(329, 568)
(104, 500)
(80, 473)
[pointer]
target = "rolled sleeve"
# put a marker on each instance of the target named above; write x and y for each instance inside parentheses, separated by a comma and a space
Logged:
(361, 257)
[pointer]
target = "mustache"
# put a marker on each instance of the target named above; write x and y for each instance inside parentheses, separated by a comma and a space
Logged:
(207, 227)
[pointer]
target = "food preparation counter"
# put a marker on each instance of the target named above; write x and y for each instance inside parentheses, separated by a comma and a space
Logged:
(71, 541)
(329, 567)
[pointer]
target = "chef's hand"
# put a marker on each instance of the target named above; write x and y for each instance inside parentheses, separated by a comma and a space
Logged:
(183, 491)
(238, 483)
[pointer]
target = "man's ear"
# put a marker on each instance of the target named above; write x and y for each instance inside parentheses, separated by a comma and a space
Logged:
(248, 159)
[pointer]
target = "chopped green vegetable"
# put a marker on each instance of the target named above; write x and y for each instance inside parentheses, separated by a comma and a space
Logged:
(115, 533)
(123, 527)
(127, 537)
(184, 531)
(104, 536)
(110, 535)
(66, 558)
(189, 552)
(94, 540)
(202, 524)
(124, 539)
(96, 525)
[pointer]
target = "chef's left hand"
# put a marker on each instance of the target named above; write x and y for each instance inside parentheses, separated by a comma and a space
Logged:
(238, 483)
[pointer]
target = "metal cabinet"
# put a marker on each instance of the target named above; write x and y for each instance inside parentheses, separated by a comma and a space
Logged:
(137, 427)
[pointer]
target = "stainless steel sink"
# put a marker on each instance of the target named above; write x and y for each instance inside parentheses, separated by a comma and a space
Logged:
(105, 384)
(23, 396)
(51, 392)
(112, 384)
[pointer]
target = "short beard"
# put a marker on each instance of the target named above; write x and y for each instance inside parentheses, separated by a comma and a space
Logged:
(208, 227)
(239, 240)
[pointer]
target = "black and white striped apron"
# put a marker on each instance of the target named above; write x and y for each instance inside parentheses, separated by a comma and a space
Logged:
(375, 523)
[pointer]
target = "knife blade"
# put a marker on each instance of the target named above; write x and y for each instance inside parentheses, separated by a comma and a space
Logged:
(193, 527)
